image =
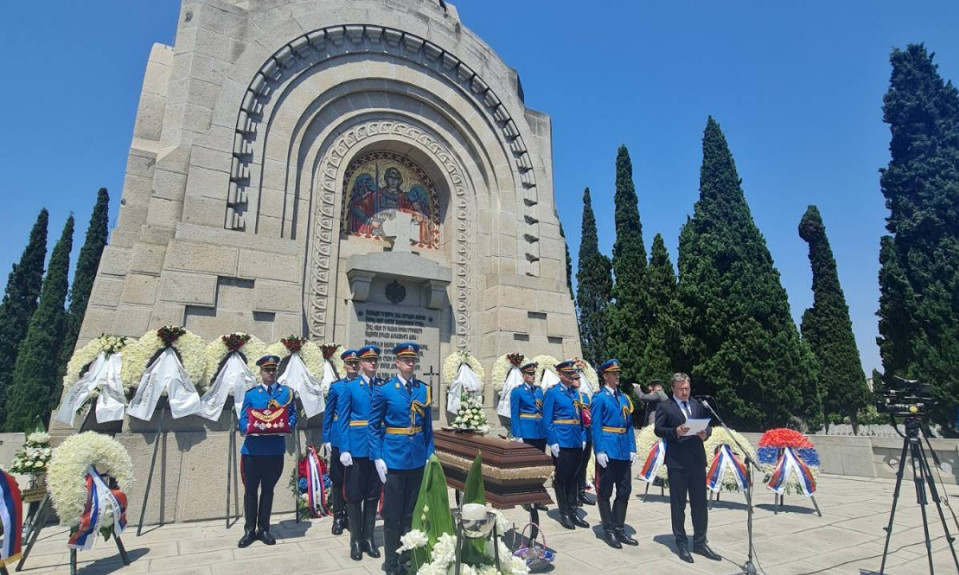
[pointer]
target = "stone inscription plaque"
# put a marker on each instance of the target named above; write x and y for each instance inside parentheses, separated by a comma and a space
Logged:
(386, 325)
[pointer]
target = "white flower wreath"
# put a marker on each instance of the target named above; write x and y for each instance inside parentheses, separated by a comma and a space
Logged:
(66, 472)
(451, 367)
(217, 350)
(544, 362)
(501, 368)
(87, 354)
(592, 378)
(312, 357)
(137, 356)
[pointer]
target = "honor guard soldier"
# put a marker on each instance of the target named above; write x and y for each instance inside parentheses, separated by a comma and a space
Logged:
(526, 409)
(331, 442)
(583, 405)
(267, 414)
(566, 437)
(615, 447)
(361, 486)
(401, 430)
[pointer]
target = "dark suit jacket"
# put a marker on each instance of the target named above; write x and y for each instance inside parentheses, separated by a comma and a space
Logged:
(681, 452)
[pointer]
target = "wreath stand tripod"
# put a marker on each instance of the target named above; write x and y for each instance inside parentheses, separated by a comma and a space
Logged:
(162, 405)
(43, 515)
(231, 468)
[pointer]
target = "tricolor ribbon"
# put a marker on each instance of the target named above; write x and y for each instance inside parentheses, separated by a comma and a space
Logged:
(11, 515)
(789, 463)
(726, 460)
(315, 488)
(654, 460)
(100, 501)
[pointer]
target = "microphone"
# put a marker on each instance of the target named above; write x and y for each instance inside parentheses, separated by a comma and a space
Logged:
(703, 398)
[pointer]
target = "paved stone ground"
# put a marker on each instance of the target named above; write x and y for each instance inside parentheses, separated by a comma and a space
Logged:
(848, 538)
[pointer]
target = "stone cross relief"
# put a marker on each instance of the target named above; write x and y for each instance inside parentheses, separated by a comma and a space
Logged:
(402, 230)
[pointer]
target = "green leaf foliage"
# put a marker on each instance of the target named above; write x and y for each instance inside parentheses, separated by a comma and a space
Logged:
(87, 264)
(431, 513)
(625, 335)
(827, 329)
(662, 348)
(741, 343)
(569, 262)
(594, 286)
(20, 301)
(35, 382)
(919, 275)
(475, 490)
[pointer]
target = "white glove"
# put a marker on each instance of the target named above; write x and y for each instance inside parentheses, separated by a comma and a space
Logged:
(555, 449)
(632, 457)
(518, 439)
(380, 469)
(602, 459)
(346, 459)
(326, 449)
(584, 445)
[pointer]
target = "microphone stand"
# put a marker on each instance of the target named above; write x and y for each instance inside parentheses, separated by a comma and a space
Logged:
(749, 568)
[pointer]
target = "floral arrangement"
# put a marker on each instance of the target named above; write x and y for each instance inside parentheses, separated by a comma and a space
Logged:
(189, 347)
(66, 478)
(250, 347)
(543, 363)
(451, 367)
(33, 457)
(774, 440)
(332, 353)
(310, 353)
(592, 378)
(471, 416)
(645, 441)
(86, 355)
(442, 554)
(299, 485)
(501, 368)
(720, 437)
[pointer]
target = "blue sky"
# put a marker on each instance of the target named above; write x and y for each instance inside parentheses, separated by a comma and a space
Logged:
(797, 88)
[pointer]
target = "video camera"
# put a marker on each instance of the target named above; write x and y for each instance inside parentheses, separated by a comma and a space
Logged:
(903, 397)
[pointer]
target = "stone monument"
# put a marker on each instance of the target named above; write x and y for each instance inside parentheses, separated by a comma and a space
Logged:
(359, 171)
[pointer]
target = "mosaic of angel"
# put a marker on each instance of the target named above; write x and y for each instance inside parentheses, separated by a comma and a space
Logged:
(371, 203)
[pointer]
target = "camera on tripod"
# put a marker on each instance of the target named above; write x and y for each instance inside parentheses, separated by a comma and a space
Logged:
(901, 397)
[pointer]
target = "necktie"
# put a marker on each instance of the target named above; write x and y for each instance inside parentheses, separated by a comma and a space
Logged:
(686, 409)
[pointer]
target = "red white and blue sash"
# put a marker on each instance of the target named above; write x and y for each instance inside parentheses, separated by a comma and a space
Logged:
(315, 489)
(726, 460)
(654, 460)
(788, 464)
(11, 515)
(100, 501)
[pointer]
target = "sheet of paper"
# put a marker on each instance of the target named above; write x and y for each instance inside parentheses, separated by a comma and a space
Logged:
(695, 426)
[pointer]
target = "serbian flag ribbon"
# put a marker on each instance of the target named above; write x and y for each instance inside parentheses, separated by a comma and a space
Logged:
(788, 464)
(100, 501)
(11, 515)
(726, 459)
(654, 460)
(315, 489)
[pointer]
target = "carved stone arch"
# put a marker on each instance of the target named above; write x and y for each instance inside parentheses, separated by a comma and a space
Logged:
(327, 197)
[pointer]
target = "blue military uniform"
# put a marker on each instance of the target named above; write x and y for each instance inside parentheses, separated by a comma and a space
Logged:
(330, 436)
(564, 429)
(401, 428)
(262, 455)
(614, 444)
(526, 411)
(361, 485)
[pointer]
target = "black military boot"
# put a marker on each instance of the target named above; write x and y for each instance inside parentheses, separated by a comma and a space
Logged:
(354, 513)
(609, 528)
(339, 514)
(391, 544)
(249, 536)
(369, 520)
(619, 510)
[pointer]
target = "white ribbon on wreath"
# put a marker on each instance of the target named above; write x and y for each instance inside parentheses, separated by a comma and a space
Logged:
(234, 378)
(514, 378)
(101, 379)
(329, 377)
(299, 379)
(465, 381)
(165, 374)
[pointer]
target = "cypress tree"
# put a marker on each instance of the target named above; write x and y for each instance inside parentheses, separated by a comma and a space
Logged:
(20, 301)
(626, 335)
(35, 375)
(919, 276)
(827, 329)
(86, 272)
(742, 344)
(569, 262)
(662, 346)
(594, 284)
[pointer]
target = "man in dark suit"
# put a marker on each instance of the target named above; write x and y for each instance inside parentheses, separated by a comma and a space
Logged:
(685, 466)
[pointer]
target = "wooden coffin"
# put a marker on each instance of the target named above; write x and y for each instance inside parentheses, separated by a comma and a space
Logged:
(513, 473)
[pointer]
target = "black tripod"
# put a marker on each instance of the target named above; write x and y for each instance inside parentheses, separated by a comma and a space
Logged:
(922, 475)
